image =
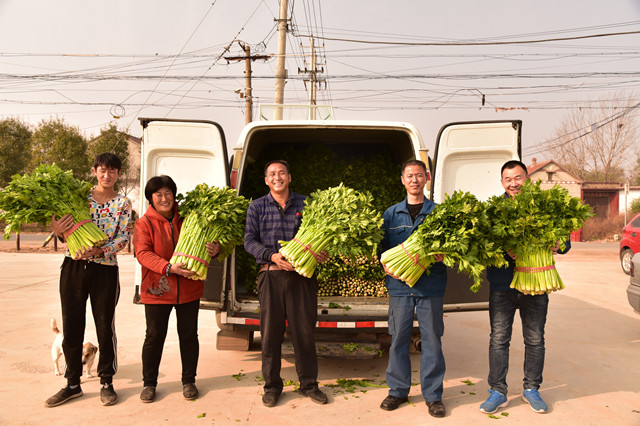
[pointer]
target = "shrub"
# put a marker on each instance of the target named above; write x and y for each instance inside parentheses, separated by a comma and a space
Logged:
(634, 207)
(602, 228)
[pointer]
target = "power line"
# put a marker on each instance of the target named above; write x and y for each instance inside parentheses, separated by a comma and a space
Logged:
(584, 133)
(167, 70)
(472, 43)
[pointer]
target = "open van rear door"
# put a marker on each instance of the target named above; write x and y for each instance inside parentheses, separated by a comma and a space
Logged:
(468, 157)
(191, 152)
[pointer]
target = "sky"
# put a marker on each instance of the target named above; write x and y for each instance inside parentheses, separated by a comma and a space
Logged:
(428, 63)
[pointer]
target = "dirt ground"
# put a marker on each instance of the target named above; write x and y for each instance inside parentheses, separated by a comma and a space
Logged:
(591, 373)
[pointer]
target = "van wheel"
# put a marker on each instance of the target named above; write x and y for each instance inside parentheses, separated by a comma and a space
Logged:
(625, 260)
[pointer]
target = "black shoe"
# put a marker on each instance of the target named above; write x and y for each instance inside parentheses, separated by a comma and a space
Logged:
(63, 396)
(189, 391)
(270, 399)
(436, 408)
(148, 394)
(390, 403)
(318, 396)
(107, 395)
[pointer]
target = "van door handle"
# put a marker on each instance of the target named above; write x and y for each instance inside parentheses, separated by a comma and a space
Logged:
(633, 234)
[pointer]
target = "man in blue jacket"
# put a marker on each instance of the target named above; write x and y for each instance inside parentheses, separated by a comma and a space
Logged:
(503, 302)
(425, 298)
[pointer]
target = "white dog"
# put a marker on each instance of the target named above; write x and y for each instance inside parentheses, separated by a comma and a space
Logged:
(89, 350)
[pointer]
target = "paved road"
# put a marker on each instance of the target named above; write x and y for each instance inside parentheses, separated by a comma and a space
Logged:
(591, 375)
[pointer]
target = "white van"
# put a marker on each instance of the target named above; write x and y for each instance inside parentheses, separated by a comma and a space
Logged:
(468, 157)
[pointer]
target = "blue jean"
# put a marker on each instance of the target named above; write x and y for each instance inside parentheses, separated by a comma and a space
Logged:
(431, 324)
(533, 313)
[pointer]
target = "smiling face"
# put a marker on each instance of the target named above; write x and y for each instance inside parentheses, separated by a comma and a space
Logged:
(414, 179)
(277, 179)
(162, 200)
(512, 180)
(107, 177)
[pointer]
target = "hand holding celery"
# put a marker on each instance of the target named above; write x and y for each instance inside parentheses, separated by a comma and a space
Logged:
(210, 214)
(459, 229)
(529, 224)
(45, 193)
(338, 220)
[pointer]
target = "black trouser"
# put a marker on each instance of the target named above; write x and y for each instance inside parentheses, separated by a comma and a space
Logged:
(157, 323)
(80, 279)
(288, 296)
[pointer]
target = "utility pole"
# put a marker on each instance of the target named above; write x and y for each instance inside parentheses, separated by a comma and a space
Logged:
(281, 72)
(313, 80)
(248, 91)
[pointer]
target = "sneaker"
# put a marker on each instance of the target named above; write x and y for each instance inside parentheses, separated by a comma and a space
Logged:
(63, 396)
(189, 391)
(148, 394)
(532, 396)
(495, 401)
(107, 395)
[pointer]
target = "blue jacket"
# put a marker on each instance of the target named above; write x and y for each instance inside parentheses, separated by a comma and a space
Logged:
(397, 228)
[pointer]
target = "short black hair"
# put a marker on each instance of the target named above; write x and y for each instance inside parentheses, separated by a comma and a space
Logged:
(156, 183)
(284, 163)
(412, 163)
(512, 164)
(108, 160)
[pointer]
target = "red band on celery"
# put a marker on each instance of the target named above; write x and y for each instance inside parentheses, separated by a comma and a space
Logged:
(204, 262)
(416, 259)
(74, 227)
(307, 248)
(533, 269)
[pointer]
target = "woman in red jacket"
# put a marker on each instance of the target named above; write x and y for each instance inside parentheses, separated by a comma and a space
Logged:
(166, 286)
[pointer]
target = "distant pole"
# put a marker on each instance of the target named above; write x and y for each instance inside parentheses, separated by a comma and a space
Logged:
(313, 80)
(312, 83)
(248, 91)
(281, 72)
(248, 99)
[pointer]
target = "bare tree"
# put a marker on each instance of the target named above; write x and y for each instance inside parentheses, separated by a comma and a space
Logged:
(599, 141)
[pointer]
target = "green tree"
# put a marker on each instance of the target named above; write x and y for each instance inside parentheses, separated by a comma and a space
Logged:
(117, 142)
(54, 141)
(111, 140)
(15, 148)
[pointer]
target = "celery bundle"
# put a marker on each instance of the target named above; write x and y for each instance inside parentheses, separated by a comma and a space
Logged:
(459, 228)
(210, 214)
(531, 222)
(338, 220)
(36, 197)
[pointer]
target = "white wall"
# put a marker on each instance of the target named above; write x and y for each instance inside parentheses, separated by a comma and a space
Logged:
(634, 192)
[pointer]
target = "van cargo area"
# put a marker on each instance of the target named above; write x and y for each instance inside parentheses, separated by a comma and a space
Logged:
(366, 159)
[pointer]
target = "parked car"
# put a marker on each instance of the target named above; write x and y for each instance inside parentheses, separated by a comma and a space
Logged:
(630, 243)
(633, 291)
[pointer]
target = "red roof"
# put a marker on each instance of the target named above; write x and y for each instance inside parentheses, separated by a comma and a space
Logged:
(535, 167)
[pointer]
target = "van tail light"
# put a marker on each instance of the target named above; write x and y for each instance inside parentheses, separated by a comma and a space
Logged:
(233, 179)
(631, 269)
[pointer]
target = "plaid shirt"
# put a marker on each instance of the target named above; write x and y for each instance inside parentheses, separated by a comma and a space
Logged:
(267, 223)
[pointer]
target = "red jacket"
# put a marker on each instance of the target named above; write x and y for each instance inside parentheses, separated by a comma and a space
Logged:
(154, 240)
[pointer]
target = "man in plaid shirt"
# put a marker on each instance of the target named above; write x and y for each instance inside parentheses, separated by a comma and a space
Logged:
(284, 295)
